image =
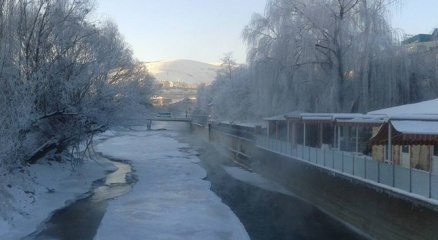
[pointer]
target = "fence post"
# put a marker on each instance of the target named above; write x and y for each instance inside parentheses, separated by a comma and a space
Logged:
(316, 156)
(430, 177)
(304, 135)
(333, 159)
(342, 159)
(365, 167)
(390, 157)
(354, 158)
(410, 177)
(430, 183)
(324, 158)
(378, 171)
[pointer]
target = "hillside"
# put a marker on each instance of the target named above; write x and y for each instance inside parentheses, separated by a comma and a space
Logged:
(190, 72)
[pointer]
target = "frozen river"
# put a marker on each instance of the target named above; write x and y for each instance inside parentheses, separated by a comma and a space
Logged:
(171, 199)
(180, 193)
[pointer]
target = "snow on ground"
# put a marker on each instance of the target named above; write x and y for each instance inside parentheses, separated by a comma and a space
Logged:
(31, 194)
(170, 200)
(256, 180)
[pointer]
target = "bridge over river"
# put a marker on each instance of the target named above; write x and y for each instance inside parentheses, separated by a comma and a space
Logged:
(168, 117)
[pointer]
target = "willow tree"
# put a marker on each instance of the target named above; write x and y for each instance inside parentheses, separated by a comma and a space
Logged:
(319, 51)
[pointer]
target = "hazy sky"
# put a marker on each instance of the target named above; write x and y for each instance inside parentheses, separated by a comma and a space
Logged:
(174, 29)
(416, 16)
(206, 29)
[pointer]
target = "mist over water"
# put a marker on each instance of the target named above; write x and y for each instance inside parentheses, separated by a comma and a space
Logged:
(265, 214)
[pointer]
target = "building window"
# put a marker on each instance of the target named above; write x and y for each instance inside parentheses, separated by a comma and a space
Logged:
(405, 149)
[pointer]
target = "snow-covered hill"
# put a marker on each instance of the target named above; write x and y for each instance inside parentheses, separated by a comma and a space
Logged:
(183, 71)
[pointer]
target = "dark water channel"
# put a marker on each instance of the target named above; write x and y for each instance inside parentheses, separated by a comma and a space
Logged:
(269, 215)
(81, 219)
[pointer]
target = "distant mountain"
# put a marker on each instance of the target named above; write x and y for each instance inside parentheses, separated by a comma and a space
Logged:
(189, 72)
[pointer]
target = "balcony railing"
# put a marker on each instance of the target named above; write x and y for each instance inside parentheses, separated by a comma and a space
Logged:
(395, 177)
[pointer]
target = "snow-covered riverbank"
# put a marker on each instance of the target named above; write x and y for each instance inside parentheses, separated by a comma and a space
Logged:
(30, 195)
(170, 200)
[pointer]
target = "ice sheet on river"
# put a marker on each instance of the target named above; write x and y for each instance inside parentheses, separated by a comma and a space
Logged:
(171, 200)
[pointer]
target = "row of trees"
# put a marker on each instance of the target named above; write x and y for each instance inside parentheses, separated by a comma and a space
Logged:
(63, 77)
(322, 56)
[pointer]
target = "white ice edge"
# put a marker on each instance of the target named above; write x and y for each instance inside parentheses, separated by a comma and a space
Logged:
(27, 211)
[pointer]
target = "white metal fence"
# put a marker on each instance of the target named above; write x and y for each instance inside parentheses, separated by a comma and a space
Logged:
(363, 167)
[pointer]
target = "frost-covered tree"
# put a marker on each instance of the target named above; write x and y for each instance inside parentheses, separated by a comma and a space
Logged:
(63, 77)
(326, 55)
(319, 46)
(228, 97)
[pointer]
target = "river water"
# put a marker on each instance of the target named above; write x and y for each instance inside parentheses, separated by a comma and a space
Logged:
(272, 215)
(265, 214)
(81, 219)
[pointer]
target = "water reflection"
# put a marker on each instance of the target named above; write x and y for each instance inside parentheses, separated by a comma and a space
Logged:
(81, 219)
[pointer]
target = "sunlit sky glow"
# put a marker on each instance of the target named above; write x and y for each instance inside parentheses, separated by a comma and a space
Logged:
(204, 30)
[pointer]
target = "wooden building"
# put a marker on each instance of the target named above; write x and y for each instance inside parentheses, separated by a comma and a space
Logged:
(410, 132)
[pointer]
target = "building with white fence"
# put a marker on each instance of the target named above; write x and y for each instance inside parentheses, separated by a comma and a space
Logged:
(394, 148)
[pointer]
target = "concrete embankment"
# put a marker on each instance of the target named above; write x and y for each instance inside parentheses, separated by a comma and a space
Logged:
(377, 213)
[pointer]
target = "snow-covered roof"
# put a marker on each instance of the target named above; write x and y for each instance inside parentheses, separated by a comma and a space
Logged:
(364, 120)
(295, 114)
(338, 116)
(324, 117)
(244, 124)
(430, 117)
(330, 116)
(426, 108)
(415, 127)
(408, 132)
(316, 117)
(275, 118)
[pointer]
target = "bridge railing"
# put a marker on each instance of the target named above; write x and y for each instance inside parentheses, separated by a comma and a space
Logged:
(235, 130)
(407, 181)
(199, 119)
